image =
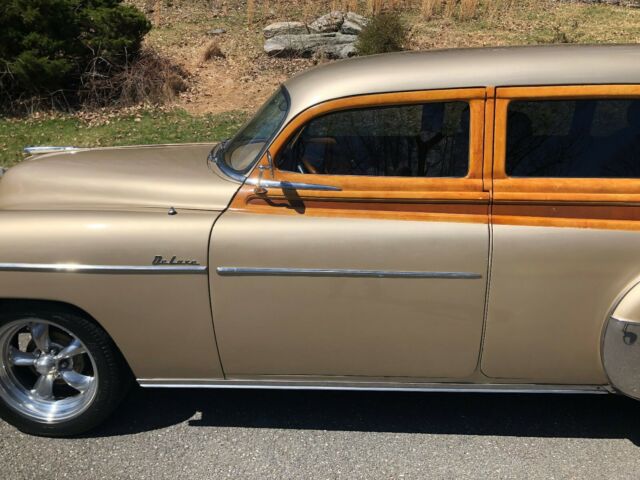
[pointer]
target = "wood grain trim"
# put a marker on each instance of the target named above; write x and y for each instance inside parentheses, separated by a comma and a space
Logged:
(576, 215)
(556, 189)
(399, 198)
(567, 190)
(568, 91)
(583, 212)
(612, 204)
(474, 96)
(438, 196)
(418, 209)
(500, 139)
(566, 223)
(489, 129)
(406, 207)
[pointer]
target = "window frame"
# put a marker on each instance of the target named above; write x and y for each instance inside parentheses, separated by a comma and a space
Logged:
(543, 189)
(470, 187)
(375, 113)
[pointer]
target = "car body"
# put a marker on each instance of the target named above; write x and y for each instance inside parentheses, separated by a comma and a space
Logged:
(377, 225)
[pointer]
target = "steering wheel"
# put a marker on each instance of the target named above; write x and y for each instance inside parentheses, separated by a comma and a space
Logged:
(305, 163)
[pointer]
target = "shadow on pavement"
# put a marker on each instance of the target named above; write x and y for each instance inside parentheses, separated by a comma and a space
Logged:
(535, 415)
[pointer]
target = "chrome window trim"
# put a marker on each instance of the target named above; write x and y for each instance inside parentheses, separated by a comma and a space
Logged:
(81, 268)
(322, 272)
(223, 167)
(241, 175)
(381, 387)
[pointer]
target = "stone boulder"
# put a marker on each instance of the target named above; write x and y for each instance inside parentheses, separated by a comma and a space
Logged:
(331, 22)
(353, 23)
(336, 52)
(331, 45)
(285, 28)
(331, 36)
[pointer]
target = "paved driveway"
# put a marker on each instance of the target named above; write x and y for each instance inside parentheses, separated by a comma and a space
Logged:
(182, 434)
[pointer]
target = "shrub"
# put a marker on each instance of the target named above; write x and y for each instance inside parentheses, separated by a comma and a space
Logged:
(212, 50)
(46, 45)
(385, 33)
(150, 78)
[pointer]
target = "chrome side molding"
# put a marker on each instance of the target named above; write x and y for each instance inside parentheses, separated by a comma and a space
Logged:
(370, 386)
(322, 272)
(39, 150)
(113, 269)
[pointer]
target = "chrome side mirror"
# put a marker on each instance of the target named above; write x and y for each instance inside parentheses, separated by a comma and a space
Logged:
(260, 187)
(270, 164)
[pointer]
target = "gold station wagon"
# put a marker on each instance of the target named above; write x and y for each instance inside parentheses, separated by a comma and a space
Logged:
(447, 221)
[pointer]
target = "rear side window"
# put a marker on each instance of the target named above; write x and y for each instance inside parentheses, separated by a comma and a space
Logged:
(597, 138)
(427, 140)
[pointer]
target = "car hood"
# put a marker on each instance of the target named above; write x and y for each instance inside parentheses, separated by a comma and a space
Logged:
(159, 176)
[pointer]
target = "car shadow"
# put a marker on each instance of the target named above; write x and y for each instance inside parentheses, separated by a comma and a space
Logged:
(533, 415)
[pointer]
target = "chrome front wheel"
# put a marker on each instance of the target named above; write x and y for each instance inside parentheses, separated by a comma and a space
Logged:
(47, 373)
(60, 372)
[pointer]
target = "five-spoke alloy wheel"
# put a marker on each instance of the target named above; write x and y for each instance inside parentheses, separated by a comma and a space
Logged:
(60, 373)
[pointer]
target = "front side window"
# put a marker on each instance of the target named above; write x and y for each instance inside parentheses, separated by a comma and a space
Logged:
(594, 138)
(425, 140)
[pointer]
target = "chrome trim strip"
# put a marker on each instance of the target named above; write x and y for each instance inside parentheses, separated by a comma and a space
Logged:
(322, 272)
(79, 268)
(377, 387)
(291, 185)
(48, 149)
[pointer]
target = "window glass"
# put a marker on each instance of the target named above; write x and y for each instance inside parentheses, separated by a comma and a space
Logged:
(426, 140)
(597, 138)
(246, 145)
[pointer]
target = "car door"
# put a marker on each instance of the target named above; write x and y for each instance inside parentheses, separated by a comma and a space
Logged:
(385, 277)
(566, 227)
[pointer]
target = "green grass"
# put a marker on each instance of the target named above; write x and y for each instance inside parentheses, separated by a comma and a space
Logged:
(148, 127)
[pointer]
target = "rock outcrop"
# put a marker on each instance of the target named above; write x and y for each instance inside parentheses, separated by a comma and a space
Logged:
(285, 28)
(332, 35)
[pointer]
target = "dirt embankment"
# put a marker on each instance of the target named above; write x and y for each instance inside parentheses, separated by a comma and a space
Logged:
(240, 76)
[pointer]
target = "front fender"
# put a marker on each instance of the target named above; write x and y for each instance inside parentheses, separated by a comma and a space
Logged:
(160, 321)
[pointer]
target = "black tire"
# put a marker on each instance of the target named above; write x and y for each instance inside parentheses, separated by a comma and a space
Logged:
(113, 380)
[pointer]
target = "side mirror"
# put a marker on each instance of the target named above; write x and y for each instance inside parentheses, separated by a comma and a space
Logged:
(260, 187)
(270, 164)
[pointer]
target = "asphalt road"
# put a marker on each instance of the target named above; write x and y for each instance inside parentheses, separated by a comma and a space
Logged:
(258, 434)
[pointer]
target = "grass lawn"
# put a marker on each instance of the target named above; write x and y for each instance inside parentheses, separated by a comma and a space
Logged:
(147, 127)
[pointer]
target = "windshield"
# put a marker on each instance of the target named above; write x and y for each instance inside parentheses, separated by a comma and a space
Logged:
(248, 144)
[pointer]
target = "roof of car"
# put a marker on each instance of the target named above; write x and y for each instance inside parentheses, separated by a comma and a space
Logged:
(471, 67)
